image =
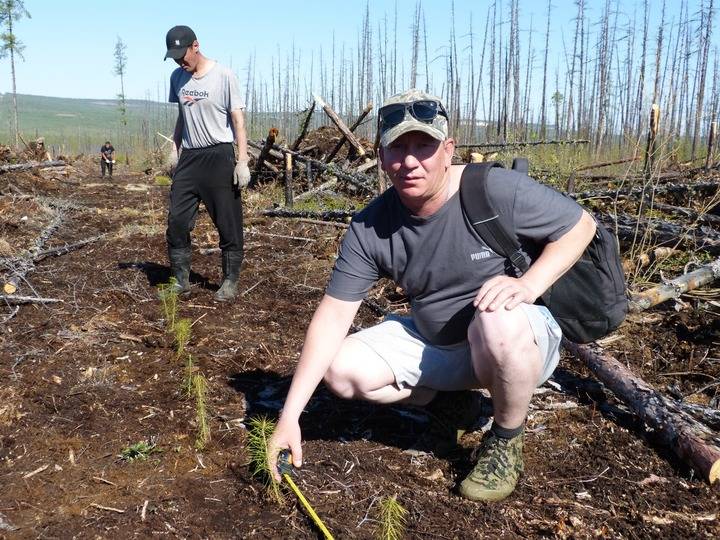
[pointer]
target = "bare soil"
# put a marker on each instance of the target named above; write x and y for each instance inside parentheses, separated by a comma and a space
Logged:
(85, 378)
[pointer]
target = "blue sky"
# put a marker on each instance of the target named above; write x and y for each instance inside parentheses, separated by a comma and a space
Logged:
(69, 44)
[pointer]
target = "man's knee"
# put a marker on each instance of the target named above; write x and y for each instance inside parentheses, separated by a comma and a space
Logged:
(352, 375)
(500, 334)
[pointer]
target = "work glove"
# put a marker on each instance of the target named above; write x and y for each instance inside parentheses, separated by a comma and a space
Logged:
(241, 174)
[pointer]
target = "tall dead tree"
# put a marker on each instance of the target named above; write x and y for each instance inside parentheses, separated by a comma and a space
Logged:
(543, 104)
(704, 40)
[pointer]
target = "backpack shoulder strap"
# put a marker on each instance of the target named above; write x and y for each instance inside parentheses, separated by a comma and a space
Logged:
(521, 165)
(479, 210)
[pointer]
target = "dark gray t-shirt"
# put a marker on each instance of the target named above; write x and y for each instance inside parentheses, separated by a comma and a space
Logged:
(440, 261)
(206, 103)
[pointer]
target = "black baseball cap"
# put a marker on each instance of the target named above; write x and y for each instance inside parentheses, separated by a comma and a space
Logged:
(177, 40)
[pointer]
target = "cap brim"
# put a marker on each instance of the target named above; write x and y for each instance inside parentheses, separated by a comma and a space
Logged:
(406, 127)
(175, 54)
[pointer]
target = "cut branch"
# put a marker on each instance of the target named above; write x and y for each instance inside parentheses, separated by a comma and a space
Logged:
(344, 139)
(340, 125)
(674, 288)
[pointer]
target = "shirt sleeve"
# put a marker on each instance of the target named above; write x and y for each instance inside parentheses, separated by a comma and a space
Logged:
(172, 96)
(234, 99)
(539, 212)
(355, 271)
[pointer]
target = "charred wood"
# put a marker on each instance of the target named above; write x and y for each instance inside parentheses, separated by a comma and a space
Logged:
(304, 128)
(674, 288)
(689, 439)
(340, 125)
(344, 139)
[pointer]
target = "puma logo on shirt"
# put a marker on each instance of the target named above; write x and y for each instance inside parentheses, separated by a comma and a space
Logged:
(479, 255)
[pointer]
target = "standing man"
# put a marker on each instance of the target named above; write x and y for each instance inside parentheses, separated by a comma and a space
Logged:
(107, 158)
(472, 325)
(213, 162)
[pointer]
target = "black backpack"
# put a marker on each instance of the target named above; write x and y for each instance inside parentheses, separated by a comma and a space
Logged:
(589, 300)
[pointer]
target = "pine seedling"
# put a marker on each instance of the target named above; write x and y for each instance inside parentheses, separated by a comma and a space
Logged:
(258, 436)
(187, 387)
(182, 335)
(169, 297)
(201, 414)
(393, 519)
(138, 451)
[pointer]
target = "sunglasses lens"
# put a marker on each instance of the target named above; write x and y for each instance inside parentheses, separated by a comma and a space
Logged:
(392, 115)
(425, 111)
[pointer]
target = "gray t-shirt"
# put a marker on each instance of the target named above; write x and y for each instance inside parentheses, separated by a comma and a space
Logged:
(206, 103)
(440, 261)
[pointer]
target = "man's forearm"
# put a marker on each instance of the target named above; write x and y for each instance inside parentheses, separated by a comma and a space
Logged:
(177, 134)
(558, 257)
(325, 335)
(238, 119)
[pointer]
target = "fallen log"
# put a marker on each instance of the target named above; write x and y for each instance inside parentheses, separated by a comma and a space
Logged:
(66, 248)
(26, 264)
(606, 164)
(704, 188)
(689, 439)
(675, 287)
(304, 128)
(30, 165)
(322, 187)
(662, 233)
(255, 153)
(686, 212)
(329, 215)
(520, 143)
(15, 300)
(340, 125)
(344, 139)
(358, 180)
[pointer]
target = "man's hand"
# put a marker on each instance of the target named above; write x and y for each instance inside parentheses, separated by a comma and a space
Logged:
(286, 435)
(172, 160)
(241, 174)
(503, 291)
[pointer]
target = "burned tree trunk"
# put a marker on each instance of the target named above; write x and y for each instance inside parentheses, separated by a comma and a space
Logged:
(688, 439)
(341, 126)
(344, 139)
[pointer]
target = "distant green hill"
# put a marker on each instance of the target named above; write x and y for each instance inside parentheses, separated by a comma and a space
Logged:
(82, 125)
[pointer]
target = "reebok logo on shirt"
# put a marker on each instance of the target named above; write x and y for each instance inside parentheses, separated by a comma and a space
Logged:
(190, 97)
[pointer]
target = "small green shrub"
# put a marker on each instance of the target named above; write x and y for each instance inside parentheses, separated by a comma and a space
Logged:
(162, 180)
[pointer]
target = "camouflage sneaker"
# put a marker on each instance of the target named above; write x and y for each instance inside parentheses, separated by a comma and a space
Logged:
(498, 468)
(451, 415)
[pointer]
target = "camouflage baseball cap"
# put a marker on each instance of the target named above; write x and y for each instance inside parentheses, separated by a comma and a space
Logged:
(437, 129)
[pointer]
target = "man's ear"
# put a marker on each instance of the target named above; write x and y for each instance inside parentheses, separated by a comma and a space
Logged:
(449, 147)
(381, 157)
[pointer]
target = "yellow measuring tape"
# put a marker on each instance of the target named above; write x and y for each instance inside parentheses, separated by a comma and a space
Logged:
(285, 465)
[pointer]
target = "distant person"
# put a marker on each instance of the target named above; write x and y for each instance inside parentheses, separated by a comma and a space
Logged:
(107, 159)
(209, 169)
(472, 325)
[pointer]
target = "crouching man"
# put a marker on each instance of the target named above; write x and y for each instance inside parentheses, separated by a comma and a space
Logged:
(471, 325)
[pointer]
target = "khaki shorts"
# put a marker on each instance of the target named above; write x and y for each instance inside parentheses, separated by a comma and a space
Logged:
(416, 362)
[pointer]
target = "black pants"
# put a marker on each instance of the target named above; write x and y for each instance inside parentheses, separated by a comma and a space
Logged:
(205, 174)
(104, 164)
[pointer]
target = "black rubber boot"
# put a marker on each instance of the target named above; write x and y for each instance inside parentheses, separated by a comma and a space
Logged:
(180, 268)
(231, 262)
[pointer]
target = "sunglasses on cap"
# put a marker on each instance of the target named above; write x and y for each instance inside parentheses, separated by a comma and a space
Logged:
(425, 110)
